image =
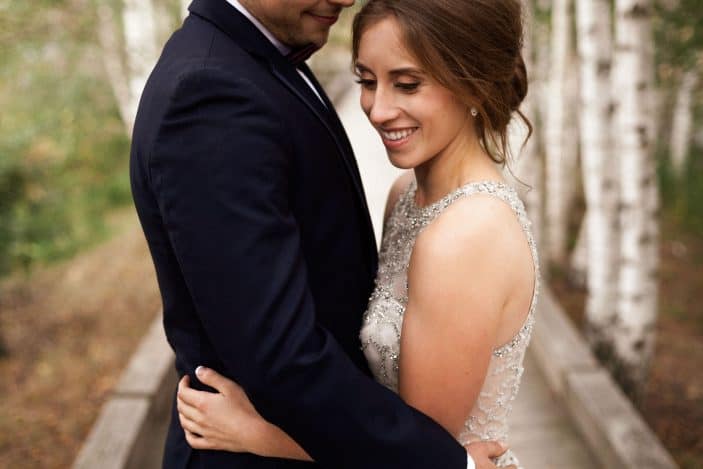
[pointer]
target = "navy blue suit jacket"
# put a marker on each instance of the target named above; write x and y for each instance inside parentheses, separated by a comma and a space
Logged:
(254, 212)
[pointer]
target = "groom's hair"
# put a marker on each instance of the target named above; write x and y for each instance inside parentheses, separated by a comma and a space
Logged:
(472, 48)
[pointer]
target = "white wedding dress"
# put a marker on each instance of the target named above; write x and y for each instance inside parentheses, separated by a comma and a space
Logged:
(382, 325)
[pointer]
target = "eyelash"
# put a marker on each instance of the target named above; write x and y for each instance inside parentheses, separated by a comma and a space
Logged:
(407, 87)
(365, 83)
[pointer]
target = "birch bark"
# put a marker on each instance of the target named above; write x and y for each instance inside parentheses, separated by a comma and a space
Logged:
(682, 121)
(560, 140)
(108, 35)
(141, 48)
(633, 71)
(599, 169)
(528, 165)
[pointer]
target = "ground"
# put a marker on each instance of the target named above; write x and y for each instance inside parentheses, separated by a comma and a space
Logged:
(673, 399)
(68, 331)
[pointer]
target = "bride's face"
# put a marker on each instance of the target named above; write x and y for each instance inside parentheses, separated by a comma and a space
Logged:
(417, 118)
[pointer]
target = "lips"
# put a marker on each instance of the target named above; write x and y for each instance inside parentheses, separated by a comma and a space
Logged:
(394, 138)
(328, 20)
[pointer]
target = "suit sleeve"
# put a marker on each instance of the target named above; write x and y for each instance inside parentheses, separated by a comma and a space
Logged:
(220, 170)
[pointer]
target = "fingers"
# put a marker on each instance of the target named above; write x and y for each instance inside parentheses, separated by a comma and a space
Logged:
(184, 384)
(189, 411)
(489, 449)
(191, 425)
(189, 395)
(198, 442)
(485, 452)
(213, 379)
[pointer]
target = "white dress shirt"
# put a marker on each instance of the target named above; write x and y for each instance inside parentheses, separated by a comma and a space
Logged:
(285, 50)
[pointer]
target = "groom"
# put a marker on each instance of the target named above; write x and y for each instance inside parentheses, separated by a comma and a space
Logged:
(254, 212)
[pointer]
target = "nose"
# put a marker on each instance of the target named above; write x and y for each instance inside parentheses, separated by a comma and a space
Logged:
(381, 107)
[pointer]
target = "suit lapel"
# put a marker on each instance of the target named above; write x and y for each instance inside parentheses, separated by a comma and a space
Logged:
(326, 115)
(348, 154)
(247, 36)
(289, 76)
(334, 118)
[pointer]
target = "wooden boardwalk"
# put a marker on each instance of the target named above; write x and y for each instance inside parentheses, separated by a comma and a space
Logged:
(542, 434)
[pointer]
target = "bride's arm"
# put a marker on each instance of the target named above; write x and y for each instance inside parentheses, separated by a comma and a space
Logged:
(228, 421)
(459, 281)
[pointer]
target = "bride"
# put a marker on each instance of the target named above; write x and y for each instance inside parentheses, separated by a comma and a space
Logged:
(451, 315)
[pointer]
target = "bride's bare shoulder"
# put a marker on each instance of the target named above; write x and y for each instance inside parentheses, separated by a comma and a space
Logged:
(397, 189)
(474, 238)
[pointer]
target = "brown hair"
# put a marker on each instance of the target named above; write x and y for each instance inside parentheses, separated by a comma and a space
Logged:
(471, 47)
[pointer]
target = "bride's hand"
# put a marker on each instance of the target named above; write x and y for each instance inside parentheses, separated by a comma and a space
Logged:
(224, 421)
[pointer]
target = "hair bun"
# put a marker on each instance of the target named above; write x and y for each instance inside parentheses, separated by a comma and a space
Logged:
(519, 83)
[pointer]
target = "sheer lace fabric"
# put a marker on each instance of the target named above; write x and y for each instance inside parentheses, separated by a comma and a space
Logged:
(382, 324)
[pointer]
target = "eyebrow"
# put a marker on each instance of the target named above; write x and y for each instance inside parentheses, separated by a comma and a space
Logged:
(398, 71)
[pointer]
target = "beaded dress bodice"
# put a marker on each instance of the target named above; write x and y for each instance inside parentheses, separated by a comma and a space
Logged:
(382, 323)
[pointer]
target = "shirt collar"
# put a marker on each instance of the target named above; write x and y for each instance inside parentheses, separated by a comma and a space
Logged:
(282, 48)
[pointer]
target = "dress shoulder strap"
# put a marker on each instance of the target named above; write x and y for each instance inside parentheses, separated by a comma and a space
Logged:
(423, 216)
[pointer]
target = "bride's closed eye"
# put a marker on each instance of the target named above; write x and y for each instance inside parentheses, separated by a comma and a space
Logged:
(408, 87)
(366, 83)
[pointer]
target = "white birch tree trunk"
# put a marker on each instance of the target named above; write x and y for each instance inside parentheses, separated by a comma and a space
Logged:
(682, 121)
(560, 140)
(108, 35)
(184, 8)
(599, 170)
(528, 166)
(164, 20)
(633, 330)
(128, 64)
(140, 37)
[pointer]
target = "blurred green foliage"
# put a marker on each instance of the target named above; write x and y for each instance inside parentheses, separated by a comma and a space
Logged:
(678, 34)
(678, 48)
(682, 196)
(63, 148)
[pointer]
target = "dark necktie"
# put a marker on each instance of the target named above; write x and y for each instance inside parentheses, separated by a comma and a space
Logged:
(299, 55)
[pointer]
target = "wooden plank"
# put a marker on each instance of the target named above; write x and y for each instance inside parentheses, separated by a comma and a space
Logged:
(610, 422)
(147, 371)
(541, 432)
(114, 435)
(557, 344)
(130, 430)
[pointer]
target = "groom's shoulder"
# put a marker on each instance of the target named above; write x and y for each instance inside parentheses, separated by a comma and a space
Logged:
(198, 46)
(200, 67)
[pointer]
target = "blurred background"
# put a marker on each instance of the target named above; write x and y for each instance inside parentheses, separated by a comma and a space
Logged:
(614, 166)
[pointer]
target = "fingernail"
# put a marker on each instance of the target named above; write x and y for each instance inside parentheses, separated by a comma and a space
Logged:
(200, 370)
(503, 445)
